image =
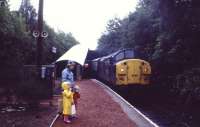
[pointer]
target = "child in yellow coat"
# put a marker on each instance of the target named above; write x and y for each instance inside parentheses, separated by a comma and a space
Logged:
(67, 97)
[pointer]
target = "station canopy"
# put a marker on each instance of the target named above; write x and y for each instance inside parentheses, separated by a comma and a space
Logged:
(77, 53)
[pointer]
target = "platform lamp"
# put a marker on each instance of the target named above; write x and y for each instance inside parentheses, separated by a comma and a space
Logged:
(54, 51)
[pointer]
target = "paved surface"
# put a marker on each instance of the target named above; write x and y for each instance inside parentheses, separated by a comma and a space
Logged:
(97, 109)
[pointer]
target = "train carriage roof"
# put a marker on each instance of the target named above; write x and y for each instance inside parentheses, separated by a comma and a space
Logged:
(97, 59)
(113, 55)
(119, 51)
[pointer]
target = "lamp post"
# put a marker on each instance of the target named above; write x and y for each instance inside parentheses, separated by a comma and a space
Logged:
(39, 34)
(40, 39)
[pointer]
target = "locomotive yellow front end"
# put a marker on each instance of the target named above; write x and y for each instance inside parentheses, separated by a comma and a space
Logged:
(133, 71)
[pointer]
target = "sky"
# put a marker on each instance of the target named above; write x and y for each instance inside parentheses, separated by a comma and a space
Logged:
(85, 19)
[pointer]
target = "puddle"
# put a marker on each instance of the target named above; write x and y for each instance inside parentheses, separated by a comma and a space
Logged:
(8, 109)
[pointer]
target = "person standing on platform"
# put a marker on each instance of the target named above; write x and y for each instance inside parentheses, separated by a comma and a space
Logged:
(67, 74)
(68, 101)
(76, 96)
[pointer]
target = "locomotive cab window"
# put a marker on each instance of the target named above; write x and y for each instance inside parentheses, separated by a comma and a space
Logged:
(129, 54)
(119, 56)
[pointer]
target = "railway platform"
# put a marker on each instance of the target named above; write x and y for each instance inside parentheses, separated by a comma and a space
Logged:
(99, 106)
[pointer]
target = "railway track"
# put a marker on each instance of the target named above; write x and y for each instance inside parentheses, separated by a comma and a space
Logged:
(157, 111)
(163, 117)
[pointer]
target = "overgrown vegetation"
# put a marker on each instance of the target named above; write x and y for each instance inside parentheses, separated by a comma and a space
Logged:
(18, 46)
(165, 33)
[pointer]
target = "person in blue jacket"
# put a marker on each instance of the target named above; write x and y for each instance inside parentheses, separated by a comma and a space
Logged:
(67, 74)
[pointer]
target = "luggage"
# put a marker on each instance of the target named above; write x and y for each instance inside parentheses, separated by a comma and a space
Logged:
(73, 110)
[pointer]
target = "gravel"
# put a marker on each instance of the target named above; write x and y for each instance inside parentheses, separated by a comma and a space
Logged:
(38, 118)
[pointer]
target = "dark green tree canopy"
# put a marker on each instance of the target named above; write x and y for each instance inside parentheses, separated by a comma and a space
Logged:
(18, 46)
(164, 32)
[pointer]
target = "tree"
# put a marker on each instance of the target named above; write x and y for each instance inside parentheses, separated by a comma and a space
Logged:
(29, 13)
(164, 32)
(18, 47)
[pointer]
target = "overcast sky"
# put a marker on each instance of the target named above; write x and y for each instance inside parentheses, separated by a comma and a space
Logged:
(85, 19)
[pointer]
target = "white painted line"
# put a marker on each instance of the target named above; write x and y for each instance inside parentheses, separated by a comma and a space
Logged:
(145, 117)
(54, 120)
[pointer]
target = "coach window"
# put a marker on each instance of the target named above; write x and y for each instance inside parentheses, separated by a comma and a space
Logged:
(129, 54)
(119, 56)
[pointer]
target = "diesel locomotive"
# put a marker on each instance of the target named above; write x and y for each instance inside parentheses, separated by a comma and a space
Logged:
(122, 68)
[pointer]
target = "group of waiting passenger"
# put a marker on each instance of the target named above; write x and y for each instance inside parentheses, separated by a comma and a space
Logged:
(70, 94)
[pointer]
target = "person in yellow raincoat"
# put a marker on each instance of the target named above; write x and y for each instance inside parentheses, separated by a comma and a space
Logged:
(67, 97)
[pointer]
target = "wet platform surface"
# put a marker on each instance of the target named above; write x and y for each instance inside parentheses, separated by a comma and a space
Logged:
(97, 108)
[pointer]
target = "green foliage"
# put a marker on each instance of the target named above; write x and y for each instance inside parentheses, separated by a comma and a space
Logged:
(18, 47)
(189, 81)
(164, 32)
(29, 14)
(187, 87)
(60, 40)
(31, 90)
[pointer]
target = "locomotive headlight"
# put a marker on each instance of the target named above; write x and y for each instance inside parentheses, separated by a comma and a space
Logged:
(122, 70)
(86, 65)
(145, 69)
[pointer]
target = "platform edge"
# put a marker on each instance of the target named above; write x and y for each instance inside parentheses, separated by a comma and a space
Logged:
(131, 106)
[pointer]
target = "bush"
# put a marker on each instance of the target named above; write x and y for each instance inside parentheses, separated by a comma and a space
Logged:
(188, 84)
(32, 89)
